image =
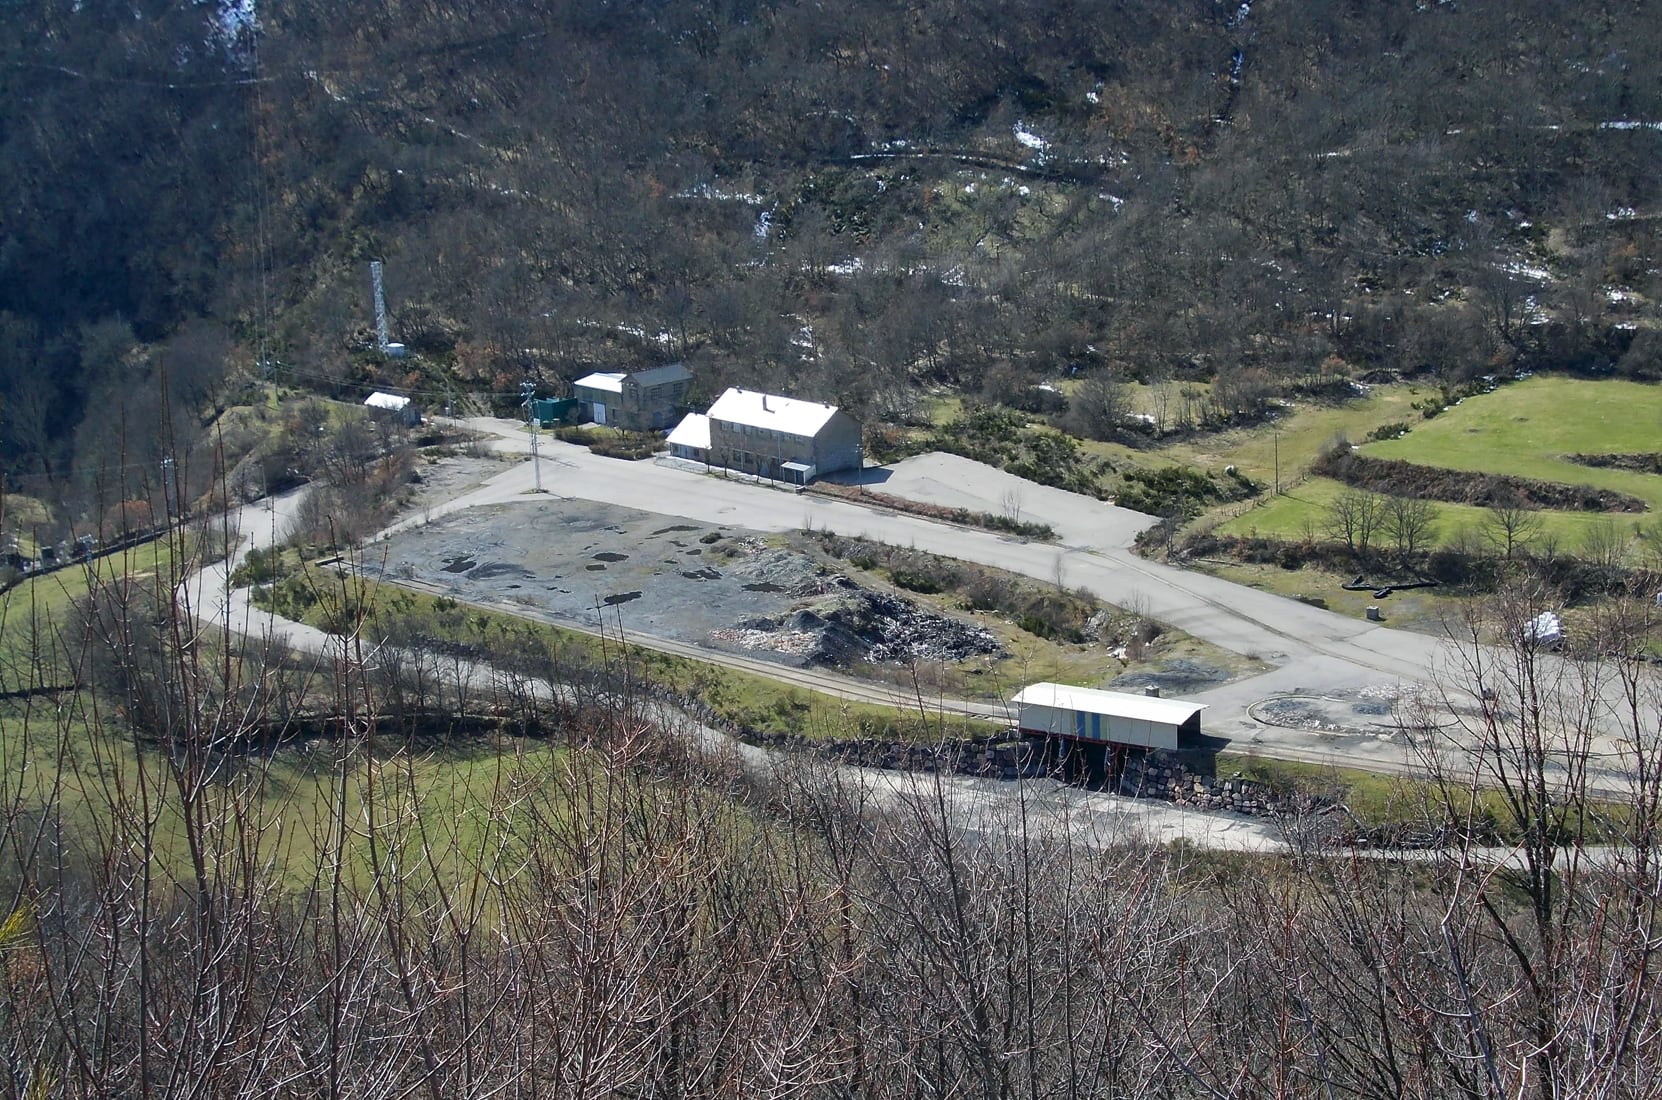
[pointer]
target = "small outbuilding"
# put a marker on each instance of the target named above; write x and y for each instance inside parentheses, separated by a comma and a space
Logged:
(691, 438)
(1107, 717)
(395, 407)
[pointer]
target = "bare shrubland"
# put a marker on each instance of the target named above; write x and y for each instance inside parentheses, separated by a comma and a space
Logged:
(588, 897)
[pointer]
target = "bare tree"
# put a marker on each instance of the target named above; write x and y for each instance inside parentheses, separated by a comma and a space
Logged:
(1098, 406)
(1541, 753)
(1355, 516)
(1604, 543)
(1409, 522)
(1510, 528)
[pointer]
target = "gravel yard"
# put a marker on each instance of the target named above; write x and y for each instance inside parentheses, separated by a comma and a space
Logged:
(720, 587)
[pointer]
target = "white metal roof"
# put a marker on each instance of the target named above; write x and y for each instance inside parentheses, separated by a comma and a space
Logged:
(389, 401)
(1092, 701)
(693, 431)
(790, 415)
(609, 380)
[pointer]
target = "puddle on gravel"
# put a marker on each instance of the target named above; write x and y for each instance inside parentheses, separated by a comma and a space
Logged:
(668, 530)
(609, 555)
(594, 568)
(620, 597)
(764, 586)
(460, 564)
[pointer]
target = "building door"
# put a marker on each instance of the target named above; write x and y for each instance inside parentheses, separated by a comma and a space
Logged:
(599, 413)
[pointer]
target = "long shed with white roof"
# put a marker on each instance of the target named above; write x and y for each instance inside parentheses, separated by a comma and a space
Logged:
(1106, 717)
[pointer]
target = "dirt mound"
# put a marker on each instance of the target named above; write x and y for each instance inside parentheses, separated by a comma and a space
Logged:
(788, 572)
(863, 627)
(1406, 479)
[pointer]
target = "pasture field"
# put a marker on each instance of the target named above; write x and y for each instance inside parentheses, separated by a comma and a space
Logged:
(1527, 428)
(1523, 429)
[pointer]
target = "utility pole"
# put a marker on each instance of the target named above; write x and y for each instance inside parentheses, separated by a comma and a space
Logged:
(167, 488)
(528, 390)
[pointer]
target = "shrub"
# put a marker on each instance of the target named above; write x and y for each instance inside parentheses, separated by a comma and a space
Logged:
(1394, 430)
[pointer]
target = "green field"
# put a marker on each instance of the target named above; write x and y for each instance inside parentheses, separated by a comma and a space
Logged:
(1523, 429)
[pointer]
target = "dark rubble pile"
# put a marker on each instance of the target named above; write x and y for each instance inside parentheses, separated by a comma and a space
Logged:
(873, 628)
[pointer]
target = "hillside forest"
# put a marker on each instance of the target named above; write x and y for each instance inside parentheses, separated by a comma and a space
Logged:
(865, 203)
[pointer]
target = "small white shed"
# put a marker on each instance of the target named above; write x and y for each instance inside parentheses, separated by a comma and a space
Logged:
(1109, 717)
(396, 406)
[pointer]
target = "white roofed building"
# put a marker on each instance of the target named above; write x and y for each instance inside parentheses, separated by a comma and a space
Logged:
(690, 439)
(394, 406)
(1111, 717)
(637, 401)
(783, 438)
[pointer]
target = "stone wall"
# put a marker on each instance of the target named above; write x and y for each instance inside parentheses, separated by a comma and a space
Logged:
(1156, 774)
(985, 757)
(1164, 776)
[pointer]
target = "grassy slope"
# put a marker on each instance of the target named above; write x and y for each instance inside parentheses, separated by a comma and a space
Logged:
(1526, 428)
(1521, 429)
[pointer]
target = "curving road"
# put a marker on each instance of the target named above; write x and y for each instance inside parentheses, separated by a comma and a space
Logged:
(1311, 651)
(1039, 808)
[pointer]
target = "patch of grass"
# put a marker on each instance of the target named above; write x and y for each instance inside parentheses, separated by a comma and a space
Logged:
(1527, 428)
(1297, 435)
(1302, 512)
(1421, 609)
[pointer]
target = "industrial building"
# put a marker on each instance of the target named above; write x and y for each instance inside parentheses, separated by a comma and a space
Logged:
(1086, 732)
(636, 401)
(782, 438)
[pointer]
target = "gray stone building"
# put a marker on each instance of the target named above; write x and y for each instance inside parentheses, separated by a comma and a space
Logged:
(636, 401)
(782, 438)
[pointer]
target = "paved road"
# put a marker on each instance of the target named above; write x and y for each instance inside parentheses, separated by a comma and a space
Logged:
(1050, 809)
(1310, 650)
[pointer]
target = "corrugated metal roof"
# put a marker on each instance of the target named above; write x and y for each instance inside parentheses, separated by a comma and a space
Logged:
(790, 415)
(658, 376)
(389, 401)
(609, 380)
(693, 431)
(1092, 701)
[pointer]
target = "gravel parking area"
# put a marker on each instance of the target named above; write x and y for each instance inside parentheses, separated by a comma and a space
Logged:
(597, 564)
